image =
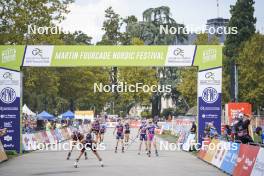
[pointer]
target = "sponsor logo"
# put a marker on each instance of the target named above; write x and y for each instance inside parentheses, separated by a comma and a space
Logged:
(8, 55)
(209, 95)
(8, 95)
(180, 55)
(8, 138)
(209, 55)
(8, 124)
(38, 56)
(8, 76)
(209, 78)
(178, 52)
(37, 52)
(9, 145)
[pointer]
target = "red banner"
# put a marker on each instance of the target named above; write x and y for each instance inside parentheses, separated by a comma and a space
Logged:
(234, 109)
(246, 160)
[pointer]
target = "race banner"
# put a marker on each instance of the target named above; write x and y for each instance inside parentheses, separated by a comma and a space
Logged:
(212, 149)
(223, 148)
(209, 100)
(258, 169)
(234, 109)
(245, 160)
(208, 59)
(230, 159)
(10, 108)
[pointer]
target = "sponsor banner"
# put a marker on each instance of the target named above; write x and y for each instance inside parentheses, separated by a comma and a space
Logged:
(208, 56)
(189, 142)
(10, 108)
(38, 55)
(218, 158)
(51, 138)
(59, 135)
(45, 137)
(69, 131)
(234, 109)
(11, 56)
(180, 55)
(230, 159)
(258, 169)
(134, 124)
(212, 149)
(54, 136)
(209, 100)
(70, 56)
(245, 160)
(204, 148)
(81, 129)
(38, 138)
(3, 156)
(29, 142)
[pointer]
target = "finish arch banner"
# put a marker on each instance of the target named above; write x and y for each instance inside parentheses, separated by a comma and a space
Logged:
(207, 58)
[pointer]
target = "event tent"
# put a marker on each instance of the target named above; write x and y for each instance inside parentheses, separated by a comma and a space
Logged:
(67, 115)
(27, 111)
(45, 116)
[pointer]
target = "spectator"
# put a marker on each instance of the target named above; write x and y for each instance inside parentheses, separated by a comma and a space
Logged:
(227, 132)
(193, 128)
(260, 135)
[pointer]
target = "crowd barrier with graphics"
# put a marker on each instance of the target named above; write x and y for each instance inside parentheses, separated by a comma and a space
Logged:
(3, 156)
(233, 158)
(180, 128)
(49, 137)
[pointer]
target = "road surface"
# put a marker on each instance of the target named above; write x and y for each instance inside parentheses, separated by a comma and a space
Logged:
(54, 163)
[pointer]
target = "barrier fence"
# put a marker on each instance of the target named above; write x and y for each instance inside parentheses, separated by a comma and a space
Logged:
(239, 160)
(30, 140)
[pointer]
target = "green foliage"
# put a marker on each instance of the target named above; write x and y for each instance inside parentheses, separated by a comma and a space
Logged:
(168, 112)
(111, 26)
(146, 114)
(76, 38)
(242, 17)
(16, 16)
(251, 72)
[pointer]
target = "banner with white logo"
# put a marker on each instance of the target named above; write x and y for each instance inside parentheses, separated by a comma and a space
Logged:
(180, 55)
(10, 108)
(209, 100)
(38, 55)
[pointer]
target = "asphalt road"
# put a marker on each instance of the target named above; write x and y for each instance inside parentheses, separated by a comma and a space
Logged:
(54, 163)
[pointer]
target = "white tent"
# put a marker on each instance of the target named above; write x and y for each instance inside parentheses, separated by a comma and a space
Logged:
(27, 111)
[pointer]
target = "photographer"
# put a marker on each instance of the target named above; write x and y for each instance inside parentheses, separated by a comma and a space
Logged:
(241, 127)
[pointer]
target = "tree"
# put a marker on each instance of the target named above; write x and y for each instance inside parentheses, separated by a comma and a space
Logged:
(76, 38)
(251, 72)
(16, 16)
(242, 17)
(149, 29)
(111, 26)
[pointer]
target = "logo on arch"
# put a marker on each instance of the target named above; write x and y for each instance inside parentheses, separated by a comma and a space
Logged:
(210, 95)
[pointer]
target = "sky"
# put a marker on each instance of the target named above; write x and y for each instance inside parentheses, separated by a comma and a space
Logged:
(88, 15)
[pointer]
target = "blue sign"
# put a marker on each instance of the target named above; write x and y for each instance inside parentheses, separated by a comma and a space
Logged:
(10, 109)
(230, 159)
